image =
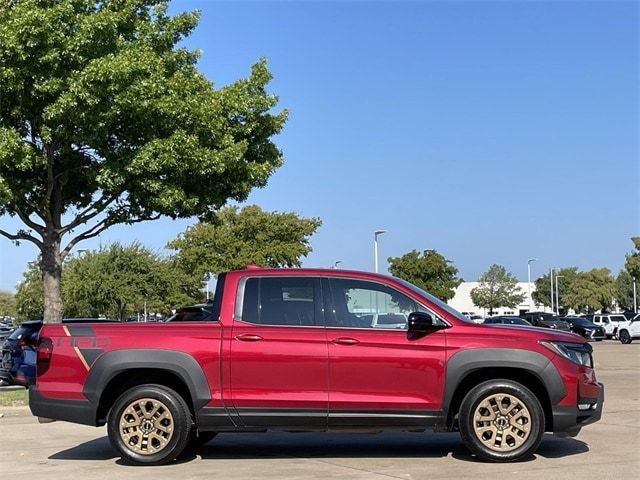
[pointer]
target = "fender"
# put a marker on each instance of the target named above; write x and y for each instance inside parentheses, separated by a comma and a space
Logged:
(465, 362)
(183, 365)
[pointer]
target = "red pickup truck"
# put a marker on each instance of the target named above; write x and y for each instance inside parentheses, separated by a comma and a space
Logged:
(316, 350)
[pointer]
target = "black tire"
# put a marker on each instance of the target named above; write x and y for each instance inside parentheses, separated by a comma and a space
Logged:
(201, 438)
(624, 337)
(180, 426)
(494, 389)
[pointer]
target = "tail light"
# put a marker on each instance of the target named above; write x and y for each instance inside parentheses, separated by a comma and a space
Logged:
(45, 349)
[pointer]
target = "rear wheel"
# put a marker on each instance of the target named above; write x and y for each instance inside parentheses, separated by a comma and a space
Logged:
(501, 421)
(624, 337)
(149, 425)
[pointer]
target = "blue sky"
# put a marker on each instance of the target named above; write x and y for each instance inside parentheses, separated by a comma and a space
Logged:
(490, 131)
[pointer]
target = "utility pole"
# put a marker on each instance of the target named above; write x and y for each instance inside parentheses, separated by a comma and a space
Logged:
(551, 281)
(557, 296)
(635, 297)
(375, 247)
(529, 278)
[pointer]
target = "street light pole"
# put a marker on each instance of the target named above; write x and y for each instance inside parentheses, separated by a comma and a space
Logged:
(529, 278)
(635, 301)
(557, 296)
(551, 281)
(375, 247)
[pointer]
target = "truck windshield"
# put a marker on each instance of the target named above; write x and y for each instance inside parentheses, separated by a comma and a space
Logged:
(444, 306)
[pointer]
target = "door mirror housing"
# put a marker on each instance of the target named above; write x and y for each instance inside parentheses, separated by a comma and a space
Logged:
(421, 323)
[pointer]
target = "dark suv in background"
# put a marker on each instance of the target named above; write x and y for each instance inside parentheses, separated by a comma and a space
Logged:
(546, 320)
(18, 361)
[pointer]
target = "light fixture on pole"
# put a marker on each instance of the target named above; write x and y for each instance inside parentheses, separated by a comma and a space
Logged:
(557, 296)
(336, 263)
(375, 247)
(529, 278)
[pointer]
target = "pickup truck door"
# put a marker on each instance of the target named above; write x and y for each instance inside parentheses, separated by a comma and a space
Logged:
(377, 375)
(278, 353)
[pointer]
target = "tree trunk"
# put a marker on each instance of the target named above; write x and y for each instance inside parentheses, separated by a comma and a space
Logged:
(51, 281)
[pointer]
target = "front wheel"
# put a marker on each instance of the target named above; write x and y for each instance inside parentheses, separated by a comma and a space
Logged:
(624, 337)
(149, 425)
(501, 421)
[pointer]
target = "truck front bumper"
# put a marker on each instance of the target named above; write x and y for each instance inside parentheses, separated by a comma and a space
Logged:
(569, 420)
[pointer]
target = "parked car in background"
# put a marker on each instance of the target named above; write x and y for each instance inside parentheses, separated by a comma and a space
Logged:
(609, 321)
(546, 320)
(629, 330)
(18, 364)
(507, 320)
(585, 328)
(18, 360)
(202, 312)
(630, 315)
(5, 332)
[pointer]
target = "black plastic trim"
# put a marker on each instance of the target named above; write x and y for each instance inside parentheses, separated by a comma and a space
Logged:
(181, 364)
(569, 419)
(465, 362)
(76, 411)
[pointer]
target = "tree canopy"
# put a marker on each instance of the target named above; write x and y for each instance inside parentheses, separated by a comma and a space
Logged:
(624, 290)
(542, 294)
(592, 290)
(7, 304)
(114, 281)
(498, 288)
(428, 270)
(632, 263)
(105, 119)
(240, 237)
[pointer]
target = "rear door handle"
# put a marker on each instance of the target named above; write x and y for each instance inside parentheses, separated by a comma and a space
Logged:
(345, 341)
(246, 337)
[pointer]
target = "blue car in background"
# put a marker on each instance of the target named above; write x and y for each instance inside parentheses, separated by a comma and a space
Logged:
(18, 361)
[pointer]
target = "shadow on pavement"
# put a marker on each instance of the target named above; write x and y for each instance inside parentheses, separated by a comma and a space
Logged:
(326, 445)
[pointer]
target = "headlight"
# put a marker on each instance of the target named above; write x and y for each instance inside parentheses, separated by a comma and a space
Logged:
(579, 353)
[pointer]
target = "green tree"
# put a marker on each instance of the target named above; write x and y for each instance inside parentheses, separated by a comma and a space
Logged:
(240, 237)
(429, 270)
(118, 280)
(592, 290)
(632, 263)
(542, 293)
(498, 288)
(29, 294)
(7, 304)
(624, 290)
(105, 119)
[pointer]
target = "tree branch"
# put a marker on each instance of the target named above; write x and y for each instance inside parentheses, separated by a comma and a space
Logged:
(98, 206)
(97, 229)
(21, 235)
(30, 223)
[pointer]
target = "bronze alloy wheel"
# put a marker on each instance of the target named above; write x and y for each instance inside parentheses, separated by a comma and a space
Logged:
(146, 426)
(502, 422)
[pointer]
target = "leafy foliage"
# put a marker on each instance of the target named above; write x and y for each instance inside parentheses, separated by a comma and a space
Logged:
(114, 281)
(7, 304)
(624, 290)
(430, 271)
(542, 294)
(30, 294)
(632, 263)
(498, 288)
(592, 290)
(104, 119)
(241, 237)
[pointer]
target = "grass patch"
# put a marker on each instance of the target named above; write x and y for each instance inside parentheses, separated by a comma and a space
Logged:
(14, 398)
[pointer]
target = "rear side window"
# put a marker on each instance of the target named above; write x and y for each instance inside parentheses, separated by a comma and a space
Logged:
(285, 301)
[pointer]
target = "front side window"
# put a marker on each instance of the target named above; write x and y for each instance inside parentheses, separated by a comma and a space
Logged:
(363, 304)
(284, 301)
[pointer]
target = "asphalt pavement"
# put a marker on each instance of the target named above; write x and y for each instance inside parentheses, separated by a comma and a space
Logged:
(608, 449)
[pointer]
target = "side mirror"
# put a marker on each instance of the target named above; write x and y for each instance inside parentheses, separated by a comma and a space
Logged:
(419, 324)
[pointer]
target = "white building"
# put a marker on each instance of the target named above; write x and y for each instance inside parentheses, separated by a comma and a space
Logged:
(463, 303)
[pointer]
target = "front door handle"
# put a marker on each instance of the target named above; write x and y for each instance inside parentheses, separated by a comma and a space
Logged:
(246, 337)
(345, 341)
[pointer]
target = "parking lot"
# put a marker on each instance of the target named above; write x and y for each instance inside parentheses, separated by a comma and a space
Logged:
(608, 449)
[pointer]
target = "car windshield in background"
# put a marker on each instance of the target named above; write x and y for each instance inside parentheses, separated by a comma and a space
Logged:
(578, 321)
(435, 300)
(516, 321)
